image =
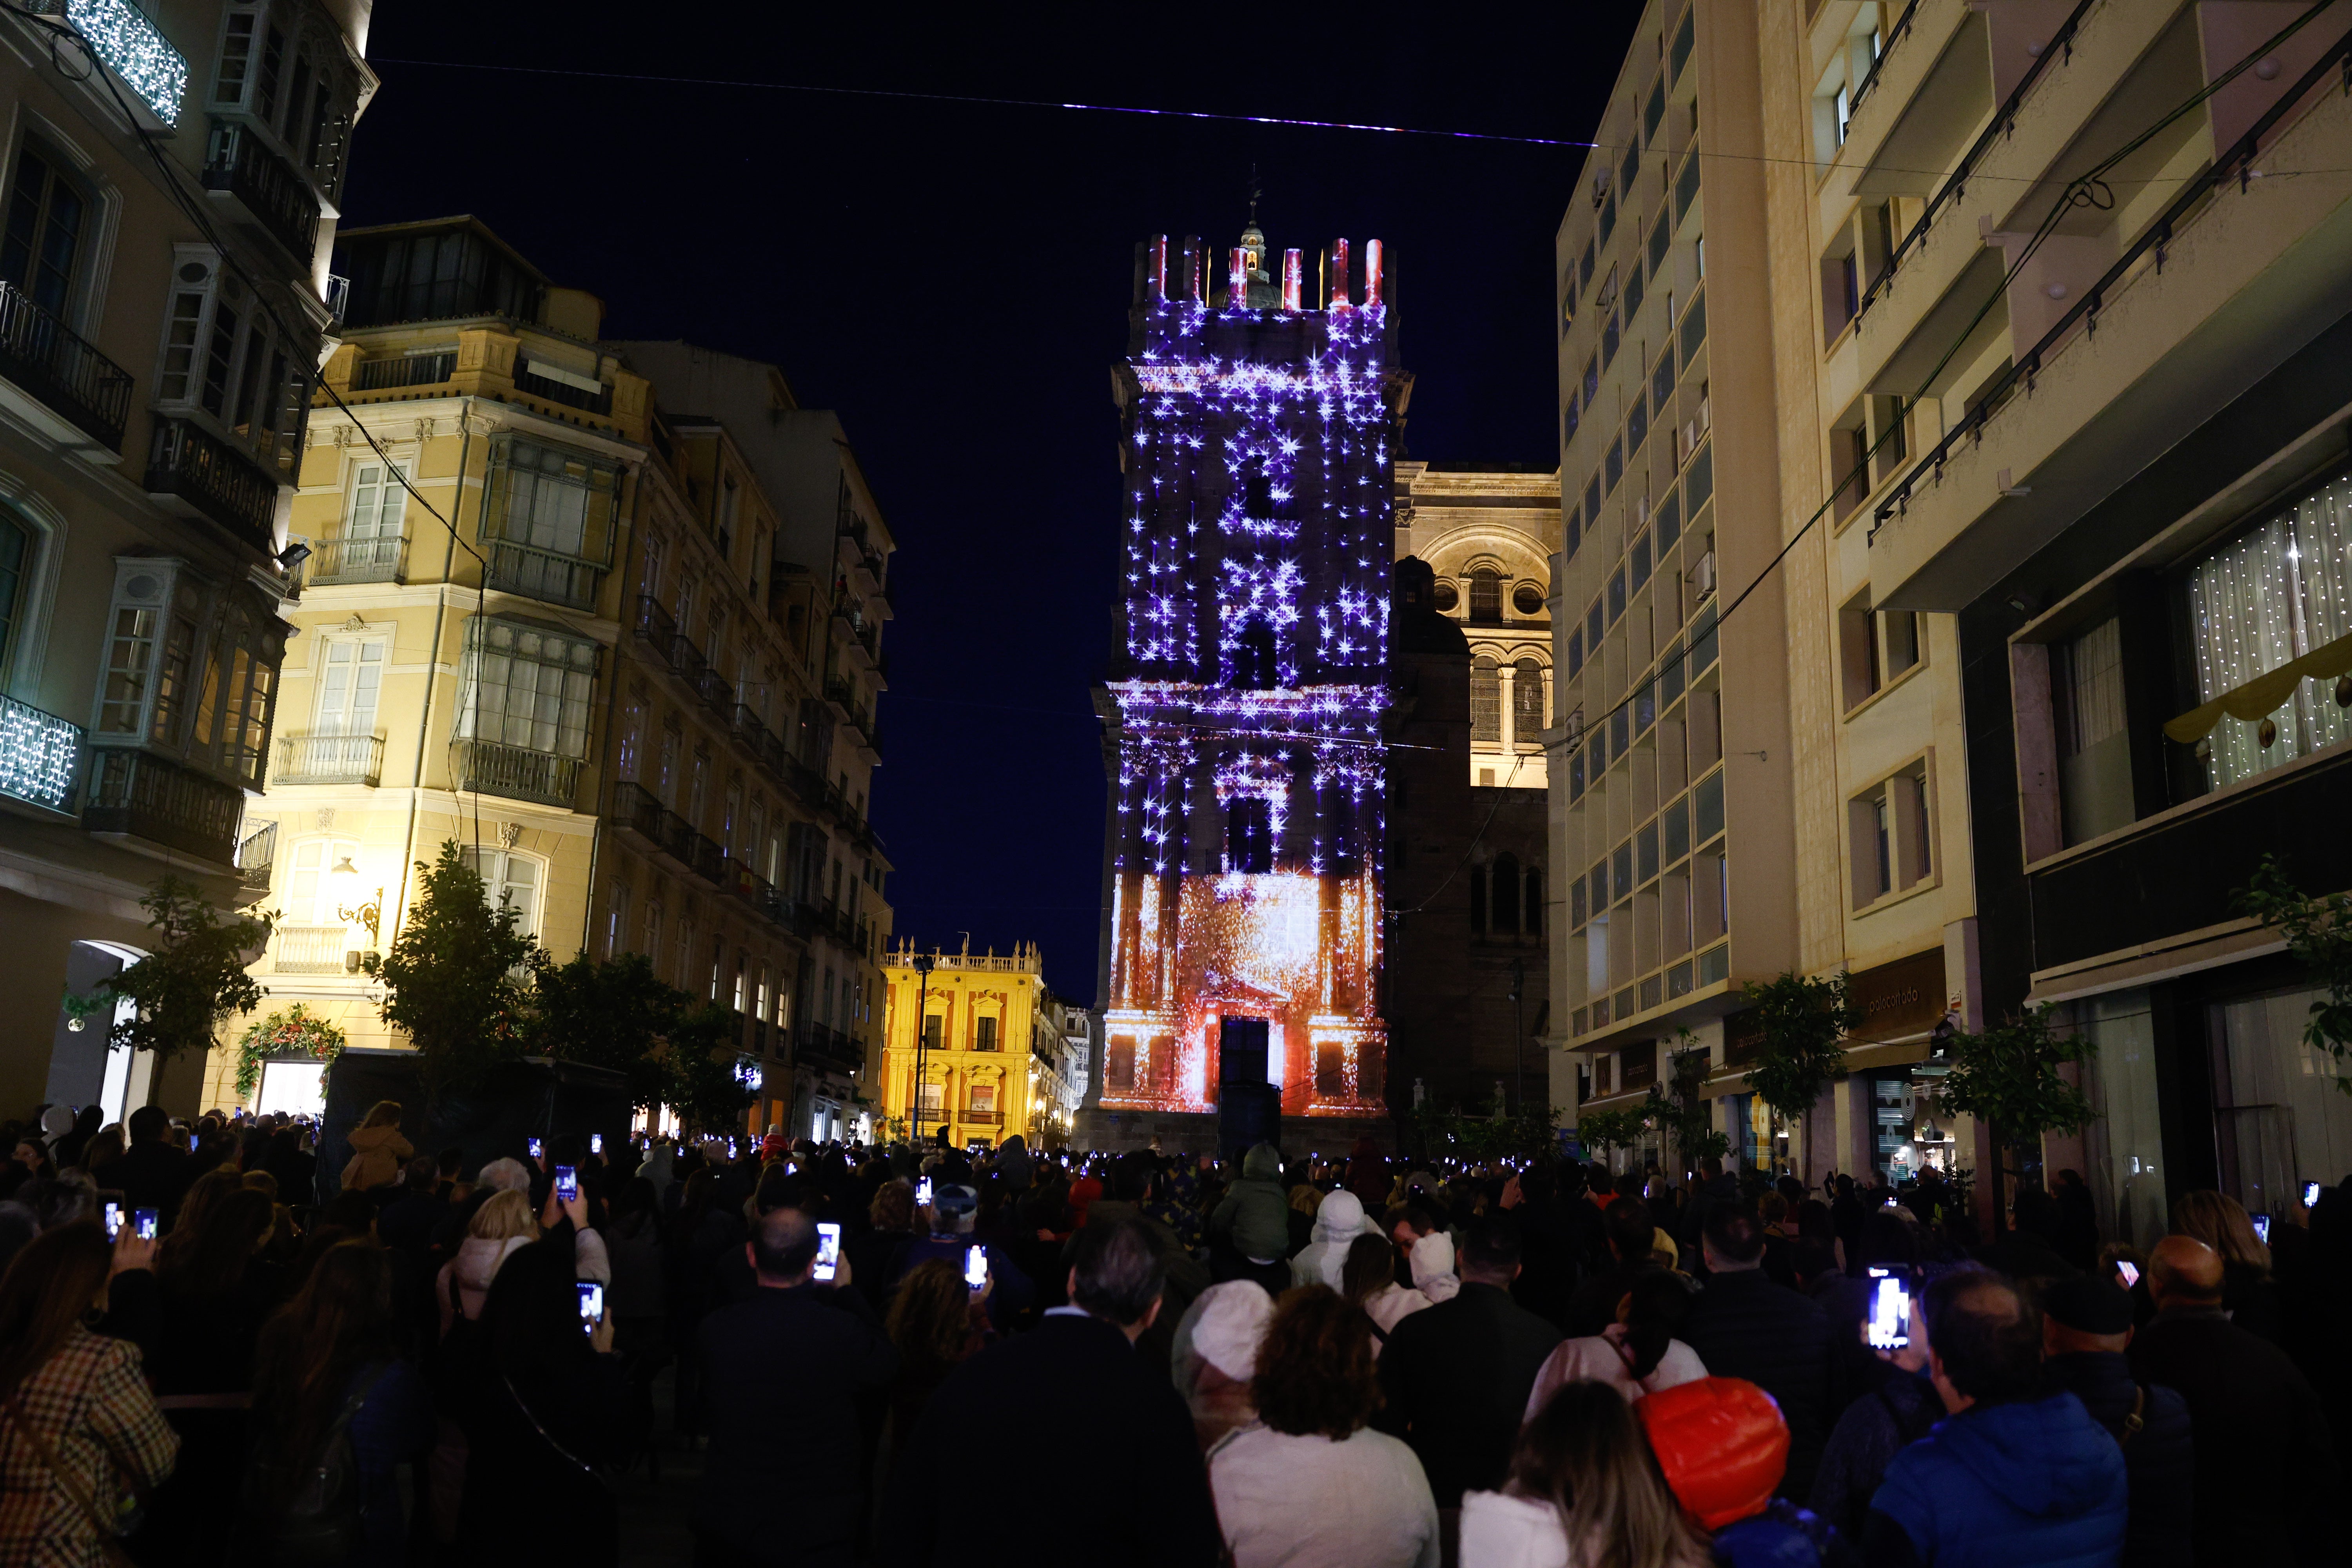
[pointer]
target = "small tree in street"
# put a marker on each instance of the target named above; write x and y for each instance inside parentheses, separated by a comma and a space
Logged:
(190, 983)
(1805, 1023)
(457, 978)
(700, 1062)
(1677, 1106)
(2007, 1078)
(1602, 1132)
(2318, 934)
(609, 1014)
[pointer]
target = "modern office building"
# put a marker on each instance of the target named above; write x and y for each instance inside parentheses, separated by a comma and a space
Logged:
(171, 180)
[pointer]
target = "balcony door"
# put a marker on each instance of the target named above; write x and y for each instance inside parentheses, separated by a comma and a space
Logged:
(349, 686)
(41, 242)
(510, 881)
(379, 511)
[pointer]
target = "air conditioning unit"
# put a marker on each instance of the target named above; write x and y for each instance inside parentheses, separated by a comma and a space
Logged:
(1703, 575)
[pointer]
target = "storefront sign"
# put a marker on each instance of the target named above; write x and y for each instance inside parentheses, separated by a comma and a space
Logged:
(1902, 998)
(1637, 1063)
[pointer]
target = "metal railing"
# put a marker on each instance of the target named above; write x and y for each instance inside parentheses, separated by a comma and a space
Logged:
(151, 797)
(404, 370)
(329, 759)
(265, 185)
(213, 476)
(2236, 162)
(380, 558)
(41, 354)
(310, 950)
(542, 575)
(518, 773)
(1886, 46)
(256, 858)
(2061, 44)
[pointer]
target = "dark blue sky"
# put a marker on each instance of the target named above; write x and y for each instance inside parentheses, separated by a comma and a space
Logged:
(953, 277)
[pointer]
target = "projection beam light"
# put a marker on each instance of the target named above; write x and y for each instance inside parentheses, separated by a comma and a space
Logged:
(1250, 791)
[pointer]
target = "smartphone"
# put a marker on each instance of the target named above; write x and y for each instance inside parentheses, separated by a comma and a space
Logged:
(595, 1142)
(2129, 1271)
(828, 1250)
(142, 1224)
(2311, 1195)
(113, 1220)
(975, 1266)
(535, 1149)
(592, 1303)
(567, 1183)
(923, 1193)
(1889, 1328)
(2262, 1227)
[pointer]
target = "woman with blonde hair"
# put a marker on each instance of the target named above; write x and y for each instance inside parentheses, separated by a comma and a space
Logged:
(378, 1150)
(1584, 1488)
(501, 1225)
(2248, 1293)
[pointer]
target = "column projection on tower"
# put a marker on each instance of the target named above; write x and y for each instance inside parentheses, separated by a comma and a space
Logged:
(1247, 780)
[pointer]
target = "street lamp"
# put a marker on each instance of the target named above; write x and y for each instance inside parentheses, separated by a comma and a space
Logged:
(923, 962)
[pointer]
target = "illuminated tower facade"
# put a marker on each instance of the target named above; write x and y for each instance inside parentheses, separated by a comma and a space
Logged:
(1242, 943)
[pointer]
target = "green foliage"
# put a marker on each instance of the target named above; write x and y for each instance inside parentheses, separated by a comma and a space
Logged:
(457, 978)
(1805, 1023)
(193, 980)
(287, 1032)
(610, 1014)
(1677, 1106)
(699, 1064)
(1602, 1130)
(2008, 1077)
(2319, 935)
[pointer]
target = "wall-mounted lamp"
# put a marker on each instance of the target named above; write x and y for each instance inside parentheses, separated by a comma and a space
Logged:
(369, 913)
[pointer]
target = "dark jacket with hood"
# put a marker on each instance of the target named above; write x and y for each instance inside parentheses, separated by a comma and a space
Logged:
(1257, 1211)
(2031, 1484)
(2158, 1455)
(1743, 1325)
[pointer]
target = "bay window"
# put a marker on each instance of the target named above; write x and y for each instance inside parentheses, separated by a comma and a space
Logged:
(526, 686)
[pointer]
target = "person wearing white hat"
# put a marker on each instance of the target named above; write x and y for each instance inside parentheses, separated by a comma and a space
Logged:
(1214, 1355)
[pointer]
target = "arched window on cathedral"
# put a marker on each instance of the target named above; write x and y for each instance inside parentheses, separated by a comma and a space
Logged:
(1526, 703)
(1254, 664)
(1485, 702)
(1506, 895)
(1535, 923)
(1487, 596)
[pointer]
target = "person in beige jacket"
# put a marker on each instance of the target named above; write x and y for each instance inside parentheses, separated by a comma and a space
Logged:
(378, 1150)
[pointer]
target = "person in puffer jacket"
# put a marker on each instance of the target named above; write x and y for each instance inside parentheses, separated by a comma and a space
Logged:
(2014, 1477)
(1336, 1225)
(1724, 1448)
(1256, 1214)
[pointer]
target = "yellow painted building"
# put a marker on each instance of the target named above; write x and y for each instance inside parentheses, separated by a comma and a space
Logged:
(979, 1015)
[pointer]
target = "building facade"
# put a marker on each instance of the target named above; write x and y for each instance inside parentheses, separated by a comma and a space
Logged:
(1243, 936)
(171, 177)
(954, 1062)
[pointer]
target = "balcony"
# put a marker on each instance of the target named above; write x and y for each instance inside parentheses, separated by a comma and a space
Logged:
(256, 856)
(310, 950)
(130, 47)
(382, 558)
(821, 1046)
(518, 773)
(193, 471)
(556, 385)
(143, 795)
(329, 760)
(542, 575)
(273, 193)
(68, 376)
(404, 370)
(637, 809)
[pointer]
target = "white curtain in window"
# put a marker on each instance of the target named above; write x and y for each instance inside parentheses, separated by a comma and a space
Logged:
(527, 687)
(349, 686)
(510, 881)
(2267, 597)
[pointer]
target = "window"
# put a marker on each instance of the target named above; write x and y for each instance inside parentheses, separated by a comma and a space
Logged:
(1891, 836)
(41, 245)
(291, 78)
(1249, 834)
(983, 1035)
(2095, 782)
(1505, 885)
(932, 1023)
(348, 686)
(1528, 599)
(730, 506)
(552, 498)
(616, 922)
(984, 1100)
(373, 527)
(1575, 651)
(198, 678)
(1485, 702)
(222, 356)
(311, 897)
(15, 561)
(1526, 703)
(522, 685)
(1485, 596)
(510, 881)
(2273, 594)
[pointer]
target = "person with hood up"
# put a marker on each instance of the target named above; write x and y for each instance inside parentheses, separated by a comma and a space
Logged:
(2015, 1476)
(1253, 1220)
(57, 1123)
(1431, 1258)
(1724, 1448)
(378, 1150)
(1215, 1356)
(1337, 1222)
(1013, 1164)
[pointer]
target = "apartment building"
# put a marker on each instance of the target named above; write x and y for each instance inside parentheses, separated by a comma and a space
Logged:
(171, 177)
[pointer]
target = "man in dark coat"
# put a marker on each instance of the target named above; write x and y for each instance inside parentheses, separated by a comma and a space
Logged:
(2266, 1470)
(1076, 1373)
(1632, 1235)
(1743, 1325)
(151, 1174)
(1716, 1188)
(788, 1487)
(2086, 1323)
(1458, 1375)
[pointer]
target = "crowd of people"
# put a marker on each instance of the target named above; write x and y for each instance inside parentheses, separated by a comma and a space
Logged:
(910, 1356)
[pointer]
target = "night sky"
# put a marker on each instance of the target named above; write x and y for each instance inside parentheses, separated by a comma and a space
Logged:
(953, 277)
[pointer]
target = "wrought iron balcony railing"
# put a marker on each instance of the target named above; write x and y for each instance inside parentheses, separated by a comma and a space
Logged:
(269, 188)
(518, 773)
(543, 574)
(329, 759)
(151, 797)
(379, 558)
(41, 355)
(192, 465)
(256, 857)
(404, 370)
